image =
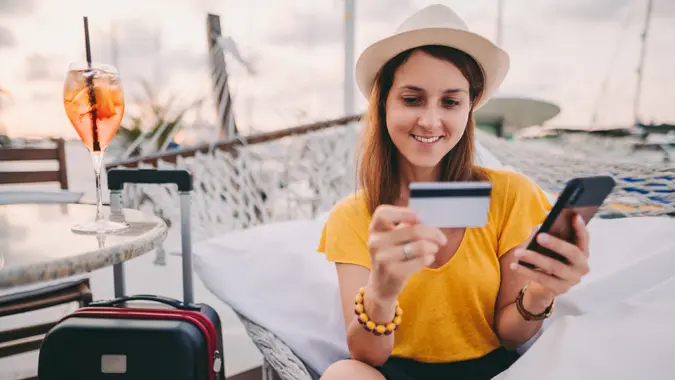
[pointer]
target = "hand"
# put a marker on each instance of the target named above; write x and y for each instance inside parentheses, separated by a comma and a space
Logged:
(392, 228)
(553, 276)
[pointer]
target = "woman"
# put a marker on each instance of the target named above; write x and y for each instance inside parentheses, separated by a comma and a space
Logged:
(467, 302)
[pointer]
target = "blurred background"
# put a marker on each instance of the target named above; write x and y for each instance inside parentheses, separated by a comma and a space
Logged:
(581, 55)
(589, 79)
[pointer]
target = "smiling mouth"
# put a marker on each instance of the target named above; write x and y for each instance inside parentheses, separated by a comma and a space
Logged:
(426, 140)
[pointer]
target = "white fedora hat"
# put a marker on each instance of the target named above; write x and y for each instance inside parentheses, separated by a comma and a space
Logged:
(434, 25)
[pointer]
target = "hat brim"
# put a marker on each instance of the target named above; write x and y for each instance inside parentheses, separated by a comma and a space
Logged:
(493, 60)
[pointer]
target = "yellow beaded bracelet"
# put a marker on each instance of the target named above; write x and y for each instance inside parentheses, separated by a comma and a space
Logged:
(371, 326)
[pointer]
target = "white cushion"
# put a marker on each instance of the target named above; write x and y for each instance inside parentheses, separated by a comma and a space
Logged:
(627, 341)
(617, 323)
(273, 275)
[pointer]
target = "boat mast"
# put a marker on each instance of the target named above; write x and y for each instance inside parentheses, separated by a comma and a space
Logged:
(500, 16)
(643, 49)
(349, 58)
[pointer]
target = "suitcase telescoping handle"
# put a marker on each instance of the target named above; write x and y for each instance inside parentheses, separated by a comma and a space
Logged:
(146, 297)
(183, 179)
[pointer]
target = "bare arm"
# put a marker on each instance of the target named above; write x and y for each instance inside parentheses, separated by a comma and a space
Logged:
(363, 345)
(553, 279)
(398, 247)
(513, 330)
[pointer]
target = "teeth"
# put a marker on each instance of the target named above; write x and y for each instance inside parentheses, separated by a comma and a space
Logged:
(426, 140)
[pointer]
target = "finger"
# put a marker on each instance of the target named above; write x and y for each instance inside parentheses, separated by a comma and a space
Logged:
(407, 268)
(386, 217)
(566, 249)
(404, 233)
(413, 233)
(583, 237)
(549, 265)
(556, 285)
(417, 249)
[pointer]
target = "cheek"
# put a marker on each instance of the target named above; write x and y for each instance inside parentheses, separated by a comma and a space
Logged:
(400, 120)
(458, 121)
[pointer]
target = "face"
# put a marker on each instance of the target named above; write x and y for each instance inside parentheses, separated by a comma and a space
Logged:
(427, 111)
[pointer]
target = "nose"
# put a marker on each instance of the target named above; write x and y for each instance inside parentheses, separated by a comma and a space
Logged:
(430, 119)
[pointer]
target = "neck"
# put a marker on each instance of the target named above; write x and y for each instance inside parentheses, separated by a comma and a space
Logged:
(411, 173)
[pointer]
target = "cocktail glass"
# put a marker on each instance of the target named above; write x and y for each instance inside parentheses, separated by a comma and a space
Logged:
(94, 102)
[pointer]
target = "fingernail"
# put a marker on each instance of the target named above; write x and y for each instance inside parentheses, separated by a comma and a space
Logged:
(543, 238)
(580, 220)
(429, 259)
(520, 253)
(444, 238)
(513, 265)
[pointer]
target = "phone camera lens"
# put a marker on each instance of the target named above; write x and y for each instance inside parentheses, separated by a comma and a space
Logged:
(575, 195)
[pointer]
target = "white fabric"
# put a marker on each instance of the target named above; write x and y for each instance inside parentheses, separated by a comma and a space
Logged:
(618, 322)
(627, 341)
(274, 276)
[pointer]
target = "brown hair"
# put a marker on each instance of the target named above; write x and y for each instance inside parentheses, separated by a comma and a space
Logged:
(378, 173)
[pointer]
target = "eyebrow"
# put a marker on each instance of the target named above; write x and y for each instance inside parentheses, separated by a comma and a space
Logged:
(448, 91)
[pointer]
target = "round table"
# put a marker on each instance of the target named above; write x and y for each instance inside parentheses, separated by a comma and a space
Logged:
(36, 243)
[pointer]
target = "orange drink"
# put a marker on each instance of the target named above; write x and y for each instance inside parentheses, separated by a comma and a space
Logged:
(96, 114)
(94, 102)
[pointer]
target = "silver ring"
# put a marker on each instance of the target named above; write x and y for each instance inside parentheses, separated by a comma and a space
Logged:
(406, 251)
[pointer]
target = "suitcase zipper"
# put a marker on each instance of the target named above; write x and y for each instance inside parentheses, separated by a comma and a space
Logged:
(216, 362)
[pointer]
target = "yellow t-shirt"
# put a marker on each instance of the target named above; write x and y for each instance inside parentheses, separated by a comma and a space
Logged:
(448, 311)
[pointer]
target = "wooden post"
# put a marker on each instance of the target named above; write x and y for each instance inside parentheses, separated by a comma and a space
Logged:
(61, 157)
(219, 79)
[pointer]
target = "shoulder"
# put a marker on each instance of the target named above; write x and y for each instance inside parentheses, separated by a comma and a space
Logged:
(345, 234)
(351, 209)
(348, 218)
(513, 194)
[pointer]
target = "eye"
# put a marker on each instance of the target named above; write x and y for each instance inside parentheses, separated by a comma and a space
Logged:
(450, 102)
(411, 100)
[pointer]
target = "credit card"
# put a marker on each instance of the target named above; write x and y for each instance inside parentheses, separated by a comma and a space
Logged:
(451, 204)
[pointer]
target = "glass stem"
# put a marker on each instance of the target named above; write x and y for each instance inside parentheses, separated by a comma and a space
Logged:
(97, 158)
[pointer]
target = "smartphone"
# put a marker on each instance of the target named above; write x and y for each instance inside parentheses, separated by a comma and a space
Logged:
(451, 204)
(582, 196)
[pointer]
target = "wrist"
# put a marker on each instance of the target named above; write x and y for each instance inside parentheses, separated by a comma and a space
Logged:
(380, 308)
(537, 299)
(383, 291)
(375, 321)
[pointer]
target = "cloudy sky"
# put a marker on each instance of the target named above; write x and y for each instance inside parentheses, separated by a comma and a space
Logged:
(580, 54)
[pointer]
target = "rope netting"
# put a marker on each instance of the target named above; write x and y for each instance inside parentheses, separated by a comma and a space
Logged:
(301, 175)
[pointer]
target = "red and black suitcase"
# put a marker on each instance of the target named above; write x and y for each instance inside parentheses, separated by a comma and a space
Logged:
(161, 339)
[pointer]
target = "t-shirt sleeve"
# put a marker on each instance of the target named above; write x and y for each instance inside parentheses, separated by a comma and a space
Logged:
(524, 207)
(345, 235)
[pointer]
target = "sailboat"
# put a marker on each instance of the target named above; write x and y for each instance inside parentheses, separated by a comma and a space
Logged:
(655, 137)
